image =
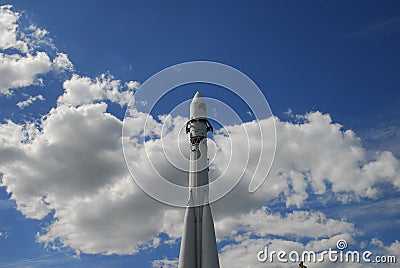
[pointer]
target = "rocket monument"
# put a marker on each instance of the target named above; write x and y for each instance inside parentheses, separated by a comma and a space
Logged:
(198, 246)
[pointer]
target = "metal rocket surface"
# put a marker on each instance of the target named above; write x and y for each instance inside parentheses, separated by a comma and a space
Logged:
(198, 246)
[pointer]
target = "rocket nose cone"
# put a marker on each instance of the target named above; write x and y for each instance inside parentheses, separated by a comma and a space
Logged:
(197, 95)
(198, 98)
(198, 107)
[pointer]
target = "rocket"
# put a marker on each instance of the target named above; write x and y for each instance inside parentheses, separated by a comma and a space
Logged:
(198, 246)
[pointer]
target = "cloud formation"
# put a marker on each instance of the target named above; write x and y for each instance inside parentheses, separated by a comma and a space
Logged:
(81, 90)
(29, 101)
(22, 71)
(8, 29)
(71, 163)
(22, 58)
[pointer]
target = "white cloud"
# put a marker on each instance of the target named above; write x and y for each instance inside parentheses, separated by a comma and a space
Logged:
(8, 29)
(376, 242)
(295, 224)
(324, 232)
(21, 71)
(289, 112)
(71, 163)
(394, 248)
(22, 66)
(165, 263)
(244, 253)
(29, 101)
(36, 38)
(82, 90)
(75, 167)
(38, 33)
(321, 152)
(132, 85)
(62, 63)
(82, 176)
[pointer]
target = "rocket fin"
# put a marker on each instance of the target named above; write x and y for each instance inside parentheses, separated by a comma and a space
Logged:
(187, 255)
(209, 247)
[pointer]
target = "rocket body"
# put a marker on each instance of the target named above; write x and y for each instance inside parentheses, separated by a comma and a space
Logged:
(198, 246)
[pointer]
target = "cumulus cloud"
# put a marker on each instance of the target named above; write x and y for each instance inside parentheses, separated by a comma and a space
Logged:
(74, 166)
(132, 85)
(29, 101)
(36, 38)
(394, 248)
(244, 252)
(82, 90)
(165, 263)
(62, 63)
(23, 65)
(21, 71)
(8, 29)
(82, 177)
(71, 163)
(294, 224)
(318, 143)
(38, 33)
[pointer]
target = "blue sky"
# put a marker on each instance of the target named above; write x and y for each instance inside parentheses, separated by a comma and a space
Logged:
(335, 58)
(318, 53)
